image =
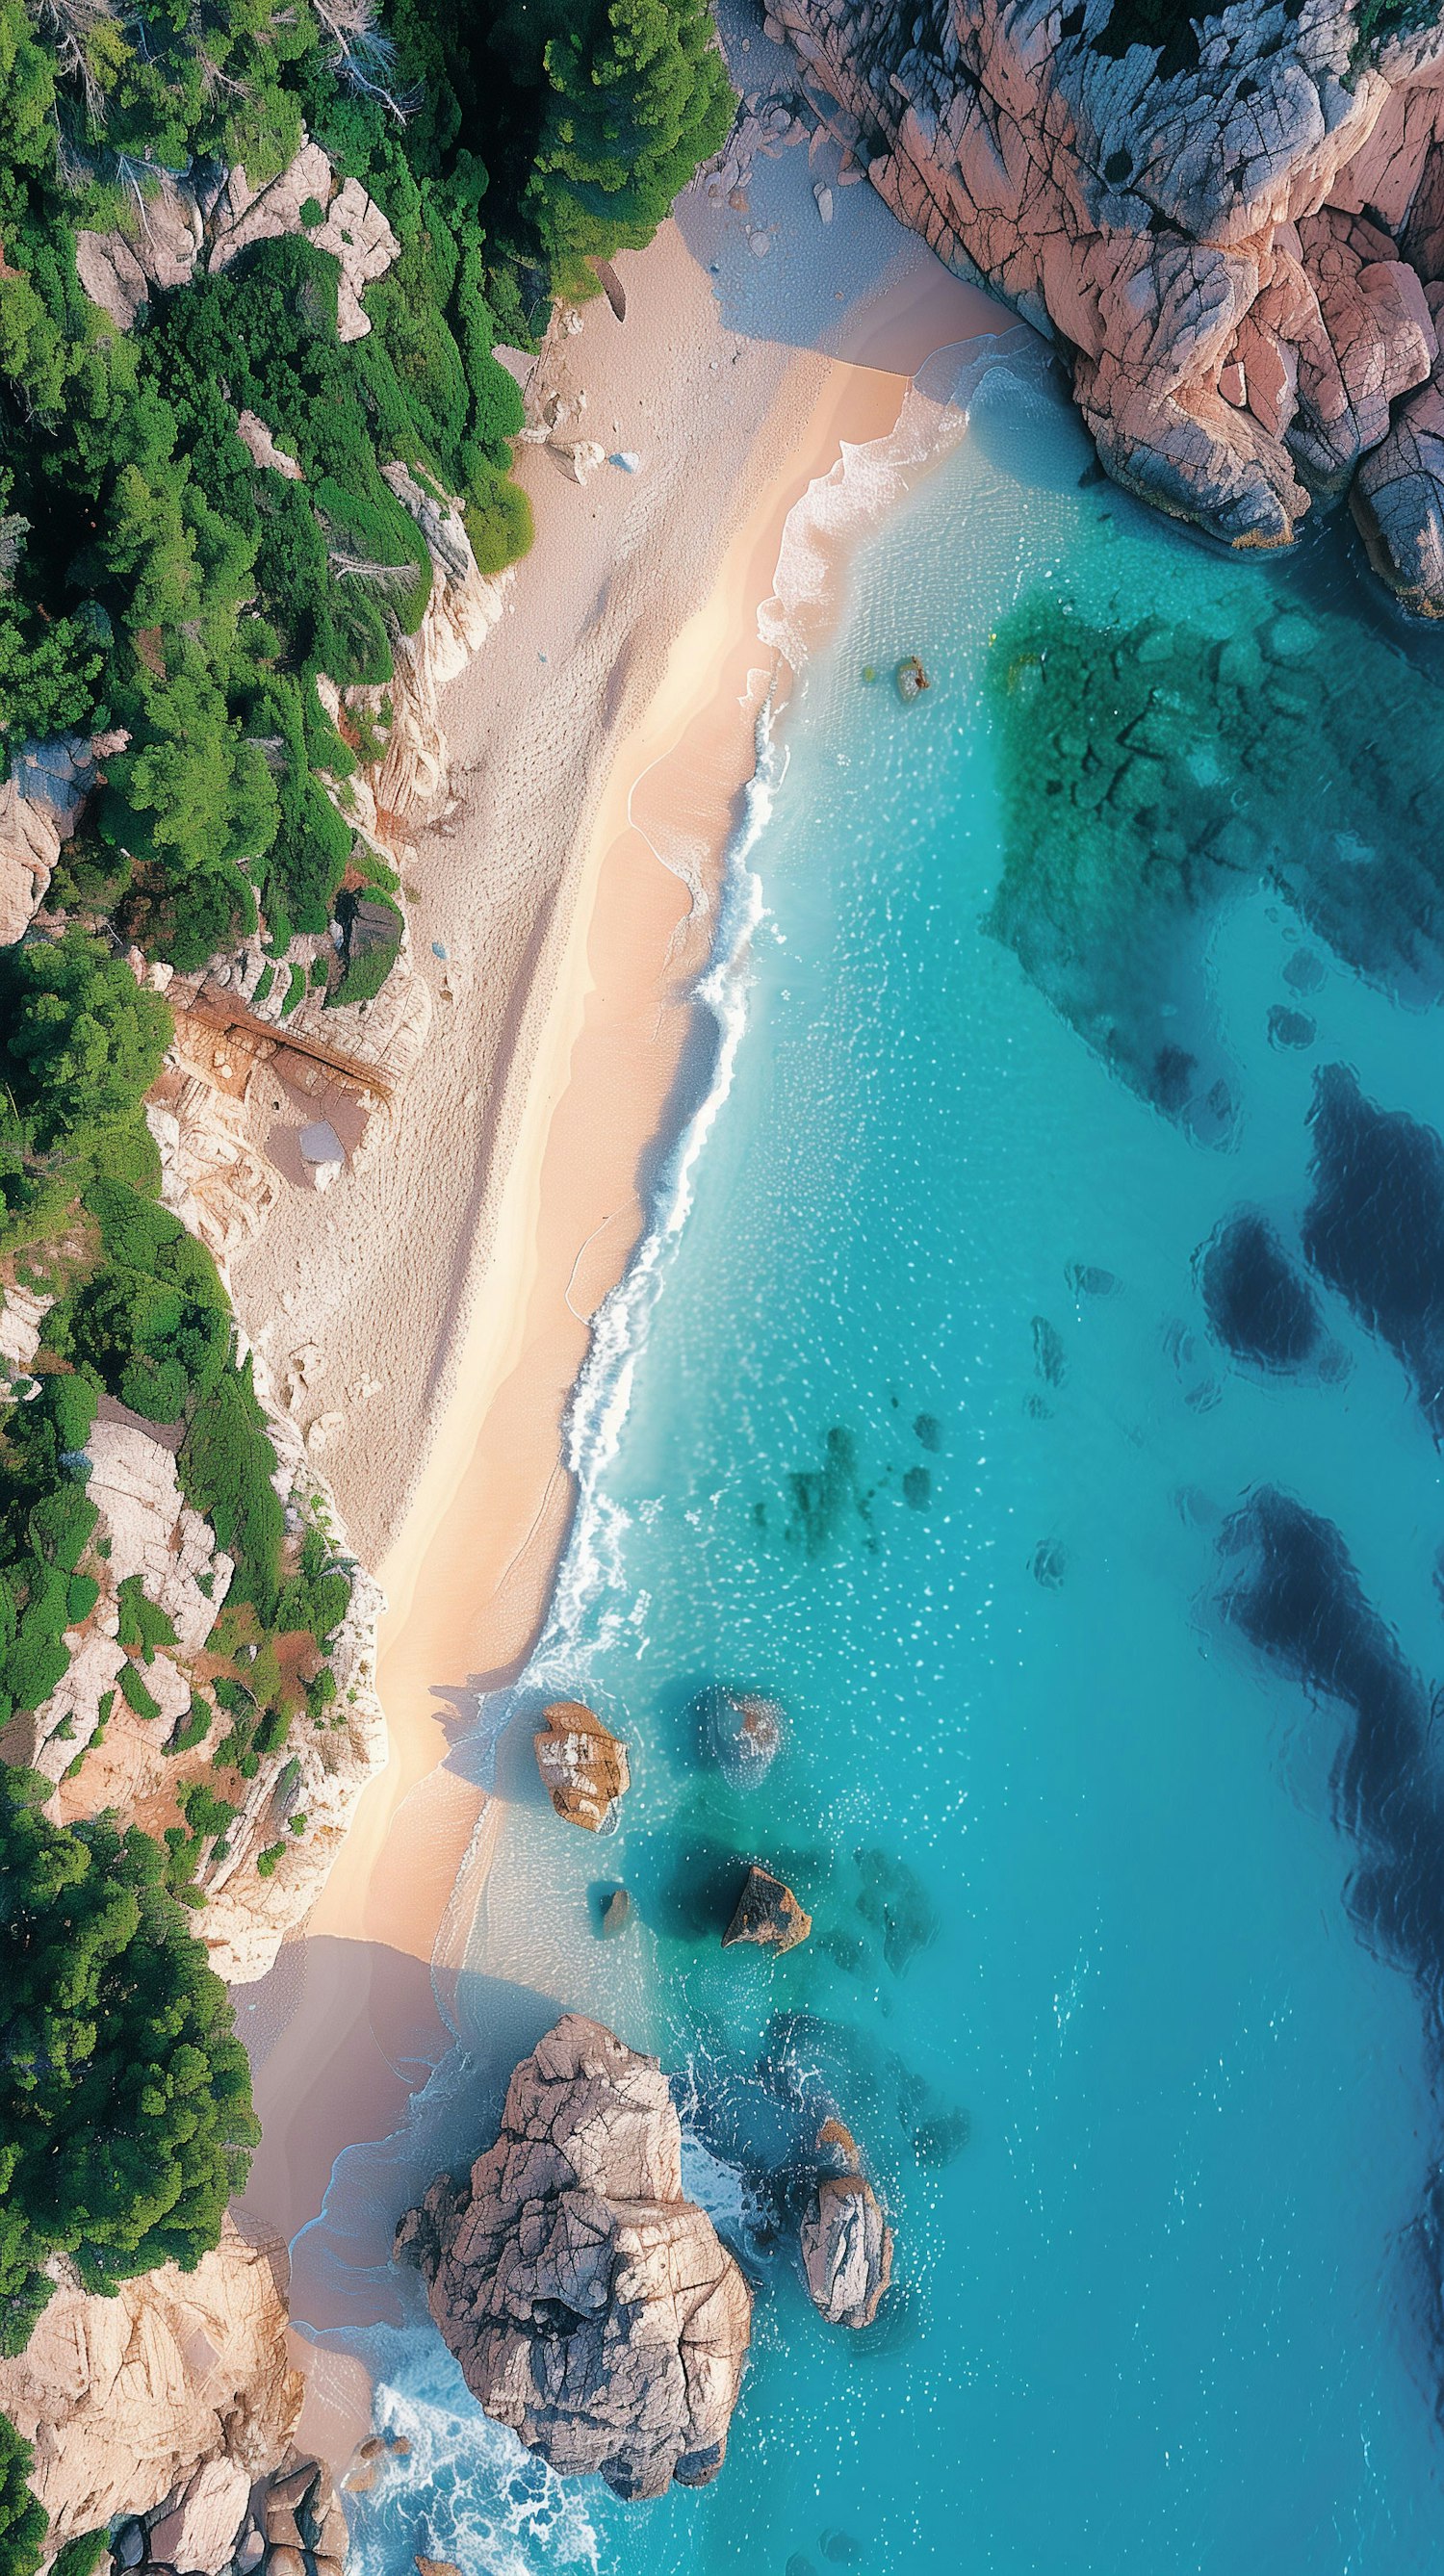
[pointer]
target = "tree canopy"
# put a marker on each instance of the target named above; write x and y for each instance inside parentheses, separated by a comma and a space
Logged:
(22, 2517)
(125, 2102)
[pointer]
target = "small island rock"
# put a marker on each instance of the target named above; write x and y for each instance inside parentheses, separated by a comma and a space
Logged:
(590, 2305)
(847, 2244)
(768, 1913)
(582, 1764)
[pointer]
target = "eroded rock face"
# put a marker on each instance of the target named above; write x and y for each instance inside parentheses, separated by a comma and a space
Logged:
(583, 1765)
(591, 2306)
(1237, 238)
(185, 225)
(177, 2392)
(39, 801)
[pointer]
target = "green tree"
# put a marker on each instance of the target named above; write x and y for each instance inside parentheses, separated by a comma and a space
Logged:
(125, 2099)
(80, 1045)
(640, 97)
(22, 2516)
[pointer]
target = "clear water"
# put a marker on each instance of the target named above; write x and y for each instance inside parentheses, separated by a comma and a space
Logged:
(1096, 1973)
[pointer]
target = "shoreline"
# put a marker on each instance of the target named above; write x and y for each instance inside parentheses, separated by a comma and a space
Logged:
(473, 1567)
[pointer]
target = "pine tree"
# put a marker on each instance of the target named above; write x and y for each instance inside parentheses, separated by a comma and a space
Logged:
(640, 97)
(125, 2099)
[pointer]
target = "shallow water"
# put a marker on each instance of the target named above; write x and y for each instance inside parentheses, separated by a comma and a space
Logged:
(1039, 1405)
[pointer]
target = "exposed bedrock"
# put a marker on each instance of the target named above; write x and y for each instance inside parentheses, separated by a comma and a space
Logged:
(1236, 236)
(163, 2403)
(590, 2305)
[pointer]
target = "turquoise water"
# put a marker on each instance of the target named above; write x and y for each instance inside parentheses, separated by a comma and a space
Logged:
(1108, 1777)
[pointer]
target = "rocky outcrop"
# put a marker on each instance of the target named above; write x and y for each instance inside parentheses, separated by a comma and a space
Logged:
(181, 225)
(767, 1914)
(221, 2519)
(169, 2398)
(590, 2305)
(260, 445)
(582, 1764)
(743, 1733)
(847, 2244)
(320, 1773)
(100, 1750)
(1235, 235)
(154, 1533)
(39, 801)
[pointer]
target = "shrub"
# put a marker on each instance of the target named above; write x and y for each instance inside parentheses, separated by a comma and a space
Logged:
(81, 1595)
(191, 1729)
(81, 2556)
(225, 1464)
(134, 1693)
(143, 1624)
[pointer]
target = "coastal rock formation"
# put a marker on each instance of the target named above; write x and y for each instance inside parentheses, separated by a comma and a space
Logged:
(174, 2394)
(1233, 226)
(742, 1732)
(847, 2244)
(582, 1764)
(591, 2306)
(319, 1774)
(768, 1914)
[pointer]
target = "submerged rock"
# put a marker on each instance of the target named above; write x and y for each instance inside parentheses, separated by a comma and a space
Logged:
(1257, 1302)
(616, 1913)
(590, 2305)
(583, 1765)
(847, 2244)
(768, 1914)
(743, 1732)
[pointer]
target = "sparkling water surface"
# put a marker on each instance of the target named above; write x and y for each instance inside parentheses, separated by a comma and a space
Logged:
(1124, 1959)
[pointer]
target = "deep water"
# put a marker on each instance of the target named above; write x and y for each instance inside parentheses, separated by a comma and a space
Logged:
(1041, 1405)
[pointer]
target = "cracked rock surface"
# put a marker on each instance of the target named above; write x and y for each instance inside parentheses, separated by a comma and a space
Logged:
(1236, 238)
(590, 2305)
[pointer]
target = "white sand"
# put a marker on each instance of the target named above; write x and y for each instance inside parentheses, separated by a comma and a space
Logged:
(462, 1268)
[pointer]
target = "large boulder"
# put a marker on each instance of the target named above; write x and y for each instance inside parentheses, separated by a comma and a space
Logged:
(590, 2305)
(847, 2244)
(1231, 224)
(583, 1765)
(200, 2532)
(767, 1914)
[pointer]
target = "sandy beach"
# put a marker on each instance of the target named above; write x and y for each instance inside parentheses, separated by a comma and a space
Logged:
(602, 785)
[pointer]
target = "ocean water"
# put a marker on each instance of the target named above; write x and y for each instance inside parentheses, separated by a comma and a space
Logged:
(1034, 1385)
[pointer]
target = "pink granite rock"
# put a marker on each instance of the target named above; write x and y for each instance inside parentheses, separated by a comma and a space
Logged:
(590, 2305)
(1233, 238)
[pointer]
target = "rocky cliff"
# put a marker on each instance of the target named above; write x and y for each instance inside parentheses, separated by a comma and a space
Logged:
(590, 2305)
(1232, 225)
(126, 2400)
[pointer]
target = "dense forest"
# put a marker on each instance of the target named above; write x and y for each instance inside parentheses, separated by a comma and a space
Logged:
(161, 588)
